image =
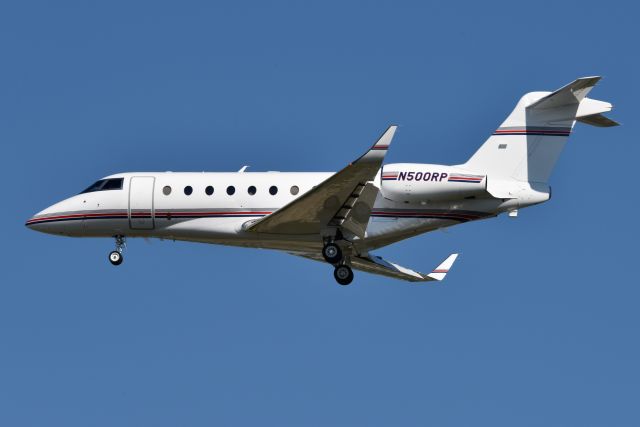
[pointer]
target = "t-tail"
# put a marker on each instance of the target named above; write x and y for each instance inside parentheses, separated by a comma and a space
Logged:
(527, 145)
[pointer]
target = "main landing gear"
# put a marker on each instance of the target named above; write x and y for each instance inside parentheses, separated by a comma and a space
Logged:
(332, 253)
(115, 257)
(343, 274)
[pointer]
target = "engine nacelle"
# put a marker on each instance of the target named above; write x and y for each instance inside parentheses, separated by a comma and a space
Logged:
(419, 182)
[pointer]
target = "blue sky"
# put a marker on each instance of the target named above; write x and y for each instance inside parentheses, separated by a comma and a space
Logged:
(536, 325)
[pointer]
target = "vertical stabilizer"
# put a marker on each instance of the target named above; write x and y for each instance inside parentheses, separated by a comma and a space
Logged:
(528, 144)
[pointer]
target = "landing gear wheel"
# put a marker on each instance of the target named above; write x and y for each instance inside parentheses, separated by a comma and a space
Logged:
(343, 274)
(115, 258)
(332, 253)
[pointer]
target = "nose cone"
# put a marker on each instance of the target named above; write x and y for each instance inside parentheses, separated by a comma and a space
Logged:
(40, 221)
(63, 218)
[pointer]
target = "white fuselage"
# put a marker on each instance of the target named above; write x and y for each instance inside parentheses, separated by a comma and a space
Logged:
(339, 217)
(141, 208)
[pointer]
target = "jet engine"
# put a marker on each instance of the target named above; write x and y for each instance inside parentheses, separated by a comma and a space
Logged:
(419, 182)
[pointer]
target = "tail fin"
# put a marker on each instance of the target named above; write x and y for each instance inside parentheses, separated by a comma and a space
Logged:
(528, 143)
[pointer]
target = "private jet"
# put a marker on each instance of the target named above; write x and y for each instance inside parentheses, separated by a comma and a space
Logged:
(339, 218)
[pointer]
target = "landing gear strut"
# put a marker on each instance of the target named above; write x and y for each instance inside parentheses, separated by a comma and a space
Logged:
(343, 274)
(115, 257)
(332, 253)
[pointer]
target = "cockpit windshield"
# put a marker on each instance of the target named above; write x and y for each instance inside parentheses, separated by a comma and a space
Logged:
(105, 184)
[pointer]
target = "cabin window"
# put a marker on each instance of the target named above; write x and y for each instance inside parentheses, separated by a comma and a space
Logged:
(105, 184)
(295, 190)
(502, 146)
(188, 190)
(166, 190)
(208, 190)
(273, 190)
(251, 190)
(230, 190)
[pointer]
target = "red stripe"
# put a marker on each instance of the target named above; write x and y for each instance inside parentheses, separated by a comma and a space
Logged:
(212, 213)
(75, 216)
(440, 271)
(137, 214)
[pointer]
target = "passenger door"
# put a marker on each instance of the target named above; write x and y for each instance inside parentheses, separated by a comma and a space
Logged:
(141, 212)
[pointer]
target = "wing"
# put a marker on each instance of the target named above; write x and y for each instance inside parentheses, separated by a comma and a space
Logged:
(376, 265)
(343, 200)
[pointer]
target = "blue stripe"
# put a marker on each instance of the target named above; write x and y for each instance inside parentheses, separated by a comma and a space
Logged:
(531, 133)
(229, 215)
(424, 216)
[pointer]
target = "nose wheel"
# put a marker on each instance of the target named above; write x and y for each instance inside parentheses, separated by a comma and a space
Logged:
(343, 274)
(115, 257)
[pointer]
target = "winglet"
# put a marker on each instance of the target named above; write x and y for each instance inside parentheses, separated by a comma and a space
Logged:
(379, 149)
(441, 271)
(385, 140)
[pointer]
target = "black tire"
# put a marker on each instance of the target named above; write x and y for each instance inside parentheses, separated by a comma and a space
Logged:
(332, 253)
(115, 258)
(343, 274)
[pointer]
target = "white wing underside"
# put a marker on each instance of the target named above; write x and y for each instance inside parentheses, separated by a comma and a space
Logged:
(376, 265)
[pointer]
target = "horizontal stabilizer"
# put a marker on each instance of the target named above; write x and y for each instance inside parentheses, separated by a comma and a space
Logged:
(570, 94)
(598, 120)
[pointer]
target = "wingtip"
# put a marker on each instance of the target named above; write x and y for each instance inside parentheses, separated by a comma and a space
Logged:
(391, 130)
(440, 272)
(385, 139)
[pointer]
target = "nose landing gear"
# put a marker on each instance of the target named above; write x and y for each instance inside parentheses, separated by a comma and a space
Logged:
(115, 257)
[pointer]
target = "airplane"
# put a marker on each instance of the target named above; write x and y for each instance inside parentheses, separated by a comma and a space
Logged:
(339, 218)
